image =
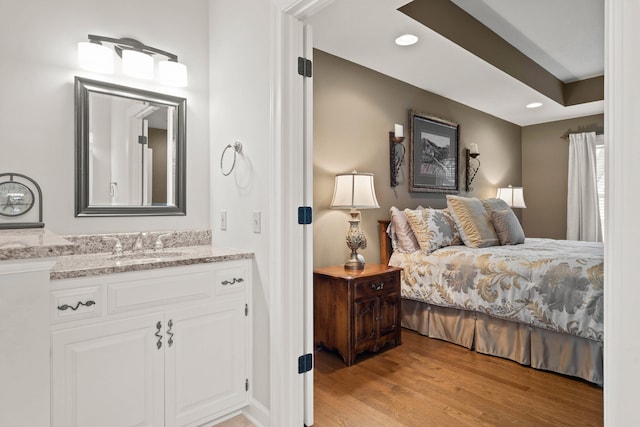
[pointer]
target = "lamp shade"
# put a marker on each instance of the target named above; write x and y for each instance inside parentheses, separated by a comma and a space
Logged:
(354, 191)
(137, 64)
(172, 73)
(514, 196)
(95, 57)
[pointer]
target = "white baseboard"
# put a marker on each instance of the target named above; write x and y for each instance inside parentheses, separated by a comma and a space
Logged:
(257, 413)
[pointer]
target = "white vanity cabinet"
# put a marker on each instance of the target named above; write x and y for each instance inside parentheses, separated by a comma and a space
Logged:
(166, 347)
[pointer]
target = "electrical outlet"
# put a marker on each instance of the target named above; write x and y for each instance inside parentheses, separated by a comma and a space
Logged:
(256, 222)
(223, 220)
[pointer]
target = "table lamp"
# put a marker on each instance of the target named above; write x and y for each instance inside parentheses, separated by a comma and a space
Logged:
(354, 191)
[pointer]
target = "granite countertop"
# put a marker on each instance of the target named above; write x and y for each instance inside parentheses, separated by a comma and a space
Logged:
(95, 264)
(91, 255)
(32, 243)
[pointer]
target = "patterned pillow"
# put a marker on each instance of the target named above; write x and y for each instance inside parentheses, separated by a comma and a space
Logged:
(402, 237)
(434, 228)
(508, 227)
(494, 204)
(473, 222)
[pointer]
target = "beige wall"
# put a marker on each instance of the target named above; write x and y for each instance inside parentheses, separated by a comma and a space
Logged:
(545, 157)
(355, 108)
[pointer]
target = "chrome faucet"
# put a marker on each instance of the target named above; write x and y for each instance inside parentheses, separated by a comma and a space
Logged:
(138, 245)
(159, 245)
(117, 246)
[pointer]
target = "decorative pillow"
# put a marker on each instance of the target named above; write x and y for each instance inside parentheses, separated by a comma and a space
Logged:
(473, 222)
(508, 227)
(433, 228)
(494, 204)
(402, 237)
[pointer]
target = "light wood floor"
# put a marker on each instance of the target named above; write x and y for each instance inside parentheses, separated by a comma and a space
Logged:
(237, 421)
(428, 382)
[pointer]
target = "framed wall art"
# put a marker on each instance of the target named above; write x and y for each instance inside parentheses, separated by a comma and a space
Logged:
(433, 154)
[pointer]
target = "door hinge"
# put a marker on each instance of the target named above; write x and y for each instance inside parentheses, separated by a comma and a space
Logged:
(142, 140)
(305, 363)
(305, 215)
(305, 67)
(246, 310)
(246, 384)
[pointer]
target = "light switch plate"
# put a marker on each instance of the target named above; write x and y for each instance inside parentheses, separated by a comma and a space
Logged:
(257, 221)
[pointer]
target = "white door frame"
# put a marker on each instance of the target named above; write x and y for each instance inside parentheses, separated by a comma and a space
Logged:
(291, 304)
(622, 127)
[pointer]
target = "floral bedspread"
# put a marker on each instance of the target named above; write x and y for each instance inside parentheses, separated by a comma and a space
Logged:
(550, 284)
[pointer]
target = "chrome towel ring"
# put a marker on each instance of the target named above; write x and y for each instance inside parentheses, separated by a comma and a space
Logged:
(237, 148)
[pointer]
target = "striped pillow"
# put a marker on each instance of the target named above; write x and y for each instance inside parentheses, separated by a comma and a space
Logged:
(473, 222)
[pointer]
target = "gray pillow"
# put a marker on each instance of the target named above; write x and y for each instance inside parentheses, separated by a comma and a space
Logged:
(508, 227)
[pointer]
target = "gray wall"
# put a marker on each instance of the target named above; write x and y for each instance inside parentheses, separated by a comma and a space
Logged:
(355, 108)
(545, 159)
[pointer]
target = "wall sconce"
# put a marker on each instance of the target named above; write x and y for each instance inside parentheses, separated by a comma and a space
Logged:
(137, 60)
(397, 152)
(354, 191)
(514, 196)
(472, 164)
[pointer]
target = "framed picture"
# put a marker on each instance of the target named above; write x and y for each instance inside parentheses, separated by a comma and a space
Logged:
(433, 154)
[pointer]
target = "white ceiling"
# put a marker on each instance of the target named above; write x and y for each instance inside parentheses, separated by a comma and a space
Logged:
(564, 36)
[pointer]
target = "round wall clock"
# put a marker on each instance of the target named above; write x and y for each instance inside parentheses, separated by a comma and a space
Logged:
(15, 198)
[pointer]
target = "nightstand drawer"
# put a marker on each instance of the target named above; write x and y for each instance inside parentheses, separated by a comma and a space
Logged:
(374, 285)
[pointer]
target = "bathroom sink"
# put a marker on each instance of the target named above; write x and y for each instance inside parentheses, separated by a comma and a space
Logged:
(146, 256)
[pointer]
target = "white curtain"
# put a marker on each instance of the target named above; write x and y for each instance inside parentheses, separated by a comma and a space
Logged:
(583, 214)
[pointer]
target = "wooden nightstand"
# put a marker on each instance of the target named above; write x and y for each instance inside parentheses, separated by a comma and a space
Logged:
(356, 310)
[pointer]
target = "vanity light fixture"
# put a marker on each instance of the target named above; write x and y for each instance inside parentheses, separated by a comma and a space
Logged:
(137, 59)
(137, 64)
(534, 105)
(472, 164)
(406, 40)
(95, 57)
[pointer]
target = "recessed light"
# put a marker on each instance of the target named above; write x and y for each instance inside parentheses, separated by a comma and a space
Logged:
(534, 105)
(407, 40)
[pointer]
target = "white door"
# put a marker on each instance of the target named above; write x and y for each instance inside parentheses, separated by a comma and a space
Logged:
(109, 374)
(206, 361)
(308, 229)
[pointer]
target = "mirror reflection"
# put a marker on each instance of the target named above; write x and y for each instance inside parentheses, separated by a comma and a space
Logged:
(130, 151)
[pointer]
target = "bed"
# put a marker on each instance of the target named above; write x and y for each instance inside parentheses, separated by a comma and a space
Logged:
(539, 303)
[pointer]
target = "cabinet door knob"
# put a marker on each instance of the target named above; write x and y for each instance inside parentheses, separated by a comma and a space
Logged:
(170, 325)
(377, 286)
(157, 334)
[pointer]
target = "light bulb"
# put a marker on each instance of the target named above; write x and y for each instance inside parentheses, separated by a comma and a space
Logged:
(137, 64)
(95, 57)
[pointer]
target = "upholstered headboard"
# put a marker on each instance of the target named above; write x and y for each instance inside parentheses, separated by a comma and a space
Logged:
(386, 248)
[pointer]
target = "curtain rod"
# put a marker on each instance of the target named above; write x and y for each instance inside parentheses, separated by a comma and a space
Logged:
(567, 133)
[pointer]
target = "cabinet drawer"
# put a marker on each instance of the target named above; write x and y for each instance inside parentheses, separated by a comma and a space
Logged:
(232, 278)
(75, 304)
(374, 286)
(158, 290)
